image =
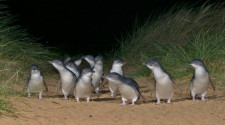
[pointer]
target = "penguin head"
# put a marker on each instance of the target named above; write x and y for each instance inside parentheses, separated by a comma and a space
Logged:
(78, 61)
(70, 65)
(119, 62)
(113, 77)
(153, 64)
(87, 72)
(89, 58)
(58, 64)
(197, 63)
(98, 60)
(34, 69)
(67, 60)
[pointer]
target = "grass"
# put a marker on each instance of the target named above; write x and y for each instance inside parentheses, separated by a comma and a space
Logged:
(18, 51)
(175, 38)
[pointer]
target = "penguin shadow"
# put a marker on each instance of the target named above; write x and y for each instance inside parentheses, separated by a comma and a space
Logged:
(105, 91)
(106, 99)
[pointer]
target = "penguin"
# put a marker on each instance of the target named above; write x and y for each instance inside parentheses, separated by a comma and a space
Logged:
(116, 67)
(91, 60)
(98, 73)
(200, 80)
(67, 77)
(83, 88)
(163, 81)
(36, 82)
(128, 88)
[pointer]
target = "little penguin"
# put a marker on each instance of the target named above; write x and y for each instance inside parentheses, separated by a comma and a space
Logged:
(91, 60)
(35, 82)
(163, 81)
(67, 77)
(128, 88)
(200, 80)
(98, 73)
(83, 87)
(116, 67)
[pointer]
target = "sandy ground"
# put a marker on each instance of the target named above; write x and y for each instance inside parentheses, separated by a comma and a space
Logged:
(104, 111)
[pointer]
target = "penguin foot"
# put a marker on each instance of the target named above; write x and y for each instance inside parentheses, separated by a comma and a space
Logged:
(122, 104)
(131, 105)
(168, 102)
(158, 103)
(40, 98)
(204, 100)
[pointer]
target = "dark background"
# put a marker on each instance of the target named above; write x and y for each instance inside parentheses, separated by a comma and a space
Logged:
(85, 26)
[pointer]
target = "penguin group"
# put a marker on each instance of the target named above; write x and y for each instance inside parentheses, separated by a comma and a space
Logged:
(82, 83)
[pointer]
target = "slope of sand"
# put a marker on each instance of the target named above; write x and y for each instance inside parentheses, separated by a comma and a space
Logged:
(104, 111)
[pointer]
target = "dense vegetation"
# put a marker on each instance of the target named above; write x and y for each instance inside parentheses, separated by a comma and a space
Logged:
(175, 38)
(17, 52)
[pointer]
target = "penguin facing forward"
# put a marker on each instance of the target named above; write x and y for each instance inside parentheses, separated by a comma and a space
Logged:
(98, 73)
(35, 82)
(83, 88)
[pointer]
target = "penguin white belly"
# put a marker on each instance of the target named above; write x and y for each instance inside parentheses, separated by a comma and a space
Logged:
(67, 84)
(83, 90)
(35, 84)
(113, 87)
(96, 78)
(164, 89)
(127, 92)
(200, 85)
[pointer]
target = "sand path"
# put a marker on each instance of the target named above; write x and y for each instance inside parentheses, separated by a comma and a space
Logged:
(104, 111)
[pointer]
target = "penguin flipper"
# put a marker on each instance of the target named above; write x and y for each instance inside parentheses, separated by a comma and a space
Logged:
(58, 86)
(153, 88)
(46, 87)
(213, 85)
(26, 85)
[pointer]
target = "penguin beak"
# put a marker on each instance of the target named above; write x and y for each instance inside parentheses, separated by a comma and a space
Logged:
(189, 63)
(51, 62)
(93, 71)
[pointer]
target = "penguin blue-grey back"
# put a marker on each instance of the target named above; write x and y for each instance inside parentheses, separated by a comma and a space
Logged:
(117, 68)
(67, 77)
(128, 88)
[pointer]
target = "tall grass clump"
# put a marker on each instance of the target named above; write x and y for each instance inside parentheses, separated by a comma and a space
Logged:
(175, 38)
(18, 51)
